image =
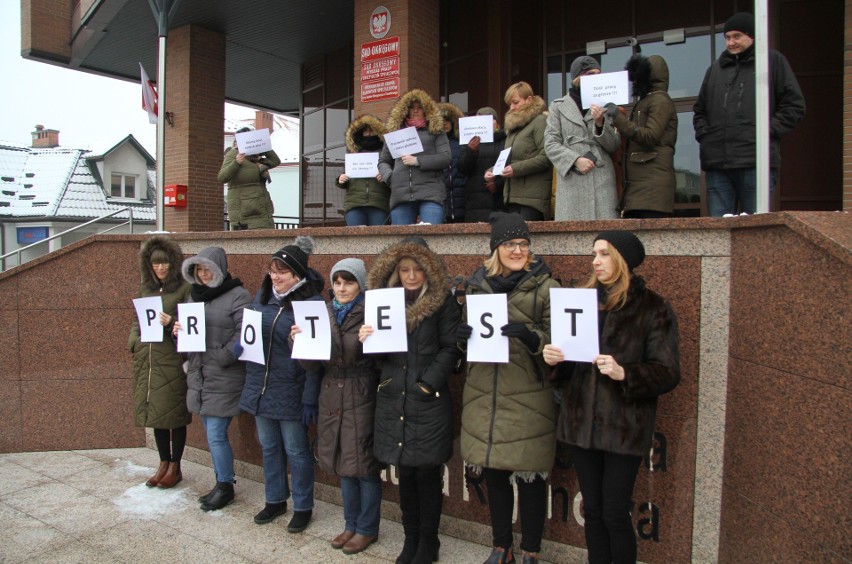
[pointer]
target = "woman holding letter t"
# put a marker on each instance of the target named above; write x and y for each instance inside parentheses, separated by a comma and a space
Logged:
(609, 406)
(509, 416)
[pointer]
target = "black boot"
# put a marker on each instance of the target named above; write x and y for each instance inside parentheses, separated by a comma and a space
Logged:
(409, 503)
(208, 495)
(299, 522)
(427, 550)
(223, 495)
(269, 512)
(429, 490)
(409, 549)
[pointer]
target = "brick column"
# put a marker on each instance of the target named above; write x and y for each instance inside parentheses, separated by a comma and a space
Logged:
(195, 94)
(417, 24)
(847, 109)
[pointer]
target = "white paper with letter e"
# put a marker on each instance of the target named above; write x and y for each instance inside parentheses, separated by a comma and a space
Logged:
(254, 142)
(470, 127)
(501, 161)
(487, 313)
(314, 342)
(574, 322)
(603, 88)
(251, 336)
(148, 314)
(384, 311)
(403, 142)
(192, 336)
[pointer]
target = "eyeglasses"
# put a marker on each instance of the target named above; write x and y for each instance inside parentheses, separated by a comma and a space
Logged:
(511, 245)
(157, 265)
(279, 272)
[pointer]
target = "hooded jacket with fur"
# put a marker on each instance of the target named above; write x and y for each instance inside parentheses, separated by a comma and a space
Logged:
(424, 182)
(364, 192)
(531, 181)
(413, 428)
(249, 203)
(159, 383)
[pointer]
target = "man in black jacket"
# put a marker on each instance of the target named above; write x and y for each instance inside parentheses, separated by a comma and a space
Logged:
(724, 118)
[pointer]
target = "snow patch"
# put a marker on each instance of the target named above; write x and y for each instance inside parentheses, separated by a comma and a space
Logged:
(143, 502)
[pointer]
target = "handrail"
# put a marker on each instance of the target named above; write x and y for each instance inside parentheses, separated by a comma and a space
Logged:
(75, 228)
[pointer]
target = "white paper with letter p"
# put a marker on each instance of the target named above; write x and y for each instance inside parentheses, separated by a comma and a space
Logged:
(487, 313)
(574, 322)
(192, 336)
(384, 311)
(314, 342)
(148, 314)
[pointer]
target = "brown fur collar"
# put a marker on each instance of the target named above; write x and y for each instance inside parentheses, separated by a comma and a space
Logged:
(525, 114)
(434, 120)
(453, 113)
(365, 120)
(436, 277)
(175, 255)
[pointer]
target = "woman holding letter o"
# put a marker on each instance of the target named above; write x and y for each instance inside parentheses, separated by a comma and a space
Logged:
(347, 404)
(414, 418)
(609, 405)
(509, 416)
(215, 377)
(159, 390)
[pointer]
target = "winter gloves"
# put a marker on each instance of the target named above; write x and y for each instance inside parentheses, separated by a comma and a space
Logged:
(309, 414)
(238, 349)
(520, 331)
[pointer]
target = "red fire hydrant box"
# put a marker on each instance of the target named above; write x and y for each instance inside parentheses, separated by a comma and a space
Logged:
(174, 195)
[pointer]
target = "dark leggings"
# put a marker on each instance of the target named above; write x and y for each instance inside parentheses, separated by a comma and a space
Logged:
(532, 502)
(606, 482)
(170, 443)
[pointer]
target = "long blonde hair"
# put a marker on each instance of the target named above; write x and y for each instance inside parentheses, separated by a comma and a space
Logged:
(493, 266)
(393, 279)
(617, 285)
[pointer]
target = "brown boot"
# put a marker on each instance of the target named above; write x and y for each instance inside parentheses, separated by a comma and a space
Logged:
(172, 477)
(158, 475)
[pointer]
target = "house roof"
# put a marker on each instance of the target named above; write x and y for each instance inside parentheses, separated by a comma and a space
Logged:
(58, 183)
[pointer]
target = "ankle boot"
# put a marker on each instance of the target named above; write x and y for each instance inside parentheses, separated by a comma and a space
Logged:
(409, 549)
(158, 475)
(427, 550)
(208, 495)
(172, 477)
(223, 495)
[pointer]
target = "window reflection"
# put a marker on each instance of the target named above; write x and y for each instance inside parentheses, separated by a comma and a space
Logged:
(685, 61)
(686, 163)
(614, 58)
(313, 128)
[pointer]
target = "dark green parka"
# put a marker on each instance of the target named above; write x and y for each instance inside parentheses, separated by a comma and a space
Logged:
(530, 185)
(361, 192)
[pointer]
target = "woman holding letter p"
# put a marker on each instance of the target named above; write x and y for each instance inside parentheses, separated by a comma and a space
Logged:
(509, 415)
(609, 406)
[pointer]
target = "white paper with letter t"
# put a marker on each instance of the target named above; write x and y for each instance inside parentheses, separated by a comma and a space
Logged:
(574, 322)
(314, 342)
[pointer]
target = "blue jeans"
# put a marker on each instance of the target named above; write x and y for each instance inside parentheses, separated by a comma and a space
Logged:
(366, 215)
(362, 504)
(220, 449)
(406, 213)
(283, 441)
(727, 187)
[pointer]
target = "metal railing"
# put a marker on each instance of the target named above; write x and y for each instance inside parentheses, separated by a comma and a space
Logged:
(75, 228)
(280, 222)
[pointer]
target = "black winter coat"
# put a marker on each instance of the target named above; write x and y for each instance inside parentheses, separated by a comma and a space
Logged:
(456, 183)
(479, 202)
(600, 413)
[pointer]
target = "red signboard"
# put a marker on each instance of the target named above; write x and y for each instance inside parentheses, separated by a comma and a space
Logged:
(380, 70)
(380, 49)
(383, 68)
(380, 90)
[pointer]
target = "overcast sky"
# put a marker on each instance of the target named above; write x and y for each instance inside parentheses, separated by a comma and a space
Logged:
(89, 111)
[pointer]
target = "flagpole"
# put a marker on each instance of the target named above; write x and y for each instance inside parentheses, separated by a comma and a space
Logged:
(761, 92)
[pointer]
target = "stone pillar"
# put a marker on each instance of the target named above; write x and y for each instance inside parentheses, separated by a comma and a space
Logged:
(195, 95)
(417, 24)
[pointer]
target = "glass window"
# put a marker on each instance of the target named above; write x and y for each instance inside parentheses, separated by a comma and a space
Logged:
(115, 186)
(129, 186)
(313, 129)
(686, 162)
(337, 119)
(686, 63)
(614, 58)
(555, 88)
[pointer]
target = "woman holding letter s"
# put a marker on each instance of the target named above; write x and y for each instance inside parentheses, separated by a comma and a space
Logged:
(609, 406)
(509, 416)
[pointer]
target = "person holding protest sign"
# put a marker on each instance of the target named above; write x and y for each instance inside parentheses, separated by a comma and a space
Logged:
(609, 405)
(347, 404)
(215, 377)
(159, 382)
(414, 418)
(509, 416)
(579, 142)
(528, 173)
(249, 203)
(475, 158)
(282, 395)
(454, 180)
(367, 200)
(417, 181)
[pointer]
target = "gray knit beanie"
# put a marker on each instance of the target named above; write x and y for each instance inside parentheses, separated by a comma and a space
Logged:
(355, 267)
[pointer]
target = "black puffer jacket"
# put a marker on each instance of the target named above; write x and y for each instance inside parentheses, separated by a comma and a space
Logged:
(414, 428)
(479, 202)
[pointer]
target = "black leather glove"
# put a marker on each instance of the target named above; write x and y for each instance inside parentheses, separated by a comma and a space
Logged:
(611, 110)
(464, 332)
(520, 331)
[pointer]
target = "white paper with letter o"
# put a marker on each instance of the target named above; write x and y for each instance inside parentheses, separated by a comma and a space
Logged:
(251, 336)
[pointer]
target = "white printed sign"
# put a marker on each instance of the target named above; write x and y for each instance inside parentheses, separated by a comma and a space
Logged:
(574, 322)
(470, 127)
(254, 142)
(403, 142)
(314, 342)
(251, 336)
(362, 165)
(603, 88)
(148, 313)
(487, 313)
(384, 311)
(192, 336)
(501, 161)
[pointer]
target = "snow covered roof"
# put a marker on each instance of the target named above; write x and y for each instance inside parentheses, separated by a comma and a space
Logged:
(58, 183)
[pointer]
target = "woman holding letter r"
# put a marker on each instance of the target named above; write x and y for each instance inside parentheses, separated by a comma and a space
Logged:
(609, 405)
(509, 416)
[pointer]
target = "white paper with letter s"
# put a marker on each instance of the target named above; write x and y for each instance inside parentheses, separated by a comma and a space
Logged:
(574, 322)
(487, 313)
(314, 342)
(384, 311)
(148, 314)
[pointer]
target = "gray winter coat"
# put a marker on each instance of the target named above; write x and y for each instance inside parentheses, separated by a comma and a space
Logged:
(568, 136)
(215, 378)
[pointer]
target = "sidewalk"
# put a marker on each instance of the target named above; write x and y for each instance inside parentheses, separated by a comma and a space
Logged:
(93, 506)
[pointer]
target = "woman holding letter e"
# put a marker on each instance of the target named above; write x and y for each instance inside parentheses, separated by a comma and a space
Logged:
(609, 405)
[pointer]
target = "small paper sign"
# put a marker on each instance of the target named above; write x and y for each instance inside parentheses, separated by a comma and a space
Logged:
(501, 161)
(574, 322)
(192, 336)
(254, 142)
(487, 313)
(362, 165)
(470, 127)
(314, 342)
(403, 142)
(251, 336)
(148, 314)
(603, 88)
(384, 311)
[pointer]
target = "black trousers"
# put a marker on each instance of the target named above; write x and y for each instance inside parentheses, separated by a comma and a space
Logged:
(606, 482)
(528, 213)
(170, 443)
(532, 503)
(421, 499)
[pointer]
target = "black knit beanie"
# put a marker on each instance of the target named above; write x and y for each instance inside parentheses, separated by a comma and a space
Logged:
(507, 226)
(295, 257)
(741, 21)
(627, 244)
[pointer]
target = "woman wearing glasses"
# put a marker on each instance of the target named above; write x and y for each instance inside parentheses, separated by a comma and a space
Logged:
(509, 415)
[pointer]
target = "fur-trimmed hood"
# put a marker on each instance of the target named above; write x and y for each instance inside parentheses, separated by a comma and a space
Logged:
(522, 116)
(648, 74)
(452, 113)
(434, 120)
(353, 139)
(175, 257)
(436, 278)
(213, 259)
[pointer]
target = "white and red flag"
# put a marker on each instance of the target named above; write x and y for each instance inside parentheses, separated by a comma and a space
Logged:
(149, 96)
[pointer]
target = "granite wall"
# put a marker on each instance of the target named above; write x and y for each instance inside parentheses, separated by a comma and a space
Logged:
(757, 433)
